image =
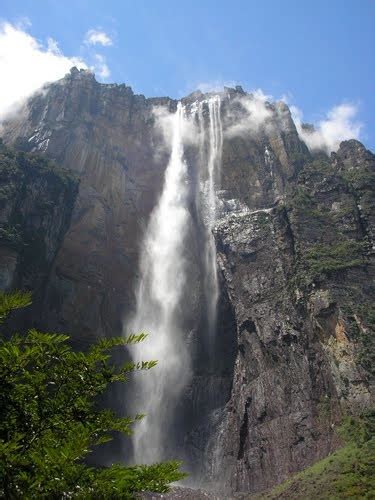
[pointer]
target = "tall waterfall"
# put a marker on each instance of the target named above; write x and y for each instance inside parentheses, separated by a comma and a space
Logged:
(211, 142)
(163, 282)
(163, 273)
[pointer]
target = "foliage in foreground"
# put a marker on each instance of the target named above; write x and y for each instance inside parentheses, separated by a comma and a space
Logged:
(347, 473)
(49, 421)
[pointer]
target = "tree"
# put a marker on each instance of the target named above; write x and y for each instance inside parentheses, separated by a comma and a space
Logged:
(49, 420)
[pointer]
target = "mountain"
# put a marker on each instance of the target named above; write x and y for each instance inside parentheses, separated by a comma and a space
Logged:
(293, 238)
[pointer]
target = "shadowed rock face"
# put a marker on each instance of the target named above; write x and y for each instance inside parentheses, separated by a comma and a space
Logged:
(293, 246)
(36, 202)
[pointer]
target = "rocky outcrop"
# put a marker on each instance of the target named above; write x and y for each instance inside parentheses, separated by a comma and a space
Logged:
(294, 250)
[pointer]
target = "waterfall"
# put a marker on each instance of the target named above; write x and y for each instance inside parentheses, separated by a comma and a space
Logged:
(211, 142)
(163, 278)
(163, 275)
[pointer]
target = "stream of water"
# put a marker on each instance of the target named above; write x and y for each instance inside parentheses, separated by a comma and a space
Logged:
(163, 273)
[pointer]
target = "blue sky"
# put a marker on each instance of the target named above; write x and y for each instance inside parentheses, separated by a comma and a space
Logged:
(318, 53)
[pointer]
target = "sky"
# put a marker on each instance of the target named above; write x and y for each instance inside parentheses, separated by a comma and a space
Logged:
(317, 55)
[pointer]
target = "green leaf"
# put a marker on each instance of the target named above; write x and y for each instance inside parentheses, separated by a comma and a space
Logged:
(14, 300)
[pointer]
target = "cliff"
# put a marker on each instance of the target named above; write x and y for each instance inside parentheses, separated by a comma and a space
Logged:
(300, 277)
(103, 134)
(36, 202)
(294, 248)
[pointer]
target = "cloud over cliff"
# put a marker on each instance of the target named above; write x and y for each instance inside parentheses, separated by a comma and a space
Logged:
(250, 113)
(26, 64)
(339, 125)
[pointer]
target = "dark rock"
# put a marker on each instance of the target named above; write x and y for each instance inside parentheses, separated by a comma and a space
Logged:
(36, 203)
(300, 305)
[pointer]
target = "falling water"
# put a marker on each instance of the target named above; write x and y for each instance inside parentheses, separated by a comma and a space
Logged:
(210, 172)
(163, 283)
(163, 275)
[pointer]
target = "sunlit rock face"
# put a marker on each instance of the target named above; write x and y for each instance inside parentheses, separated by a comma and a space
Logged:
(293, 242)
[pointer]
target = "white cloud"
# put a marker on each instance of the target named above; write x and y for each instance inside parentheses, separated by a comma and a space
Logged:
(207, 87)
(100, 67)
(214, 86)
(98, 37)
(53, 46)
(26, 65)
(261, 96)
(339, 125)
(252, 113)
(296, 113)
(23, 23)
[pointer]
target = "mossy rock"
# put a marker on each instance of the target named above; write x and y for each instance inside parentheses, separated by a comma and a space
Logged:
(347, 473)
(327, 259)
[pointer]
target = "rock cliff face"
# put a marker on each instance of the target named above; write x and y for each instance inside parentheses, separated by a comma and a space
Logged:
(300, 278)
(105, 135)
(294, 243)
(36, 202)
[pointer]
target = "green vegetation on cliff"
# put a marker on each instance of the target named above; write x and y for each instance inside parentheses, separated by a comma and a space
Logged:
(14, 162)
(347, 473)
(326, 259)
(330, 227)
(49, 420)
(36, 202)
(32, 180)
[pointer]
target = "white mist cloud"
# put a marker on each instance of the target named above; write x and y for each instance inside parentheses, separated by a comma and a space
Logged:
(164, 127)
(249, 112)
(261, 96)
(100, 67)
(339, 125)
(214, 86)
(98, 37)
(26, 65)
(249, 115)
